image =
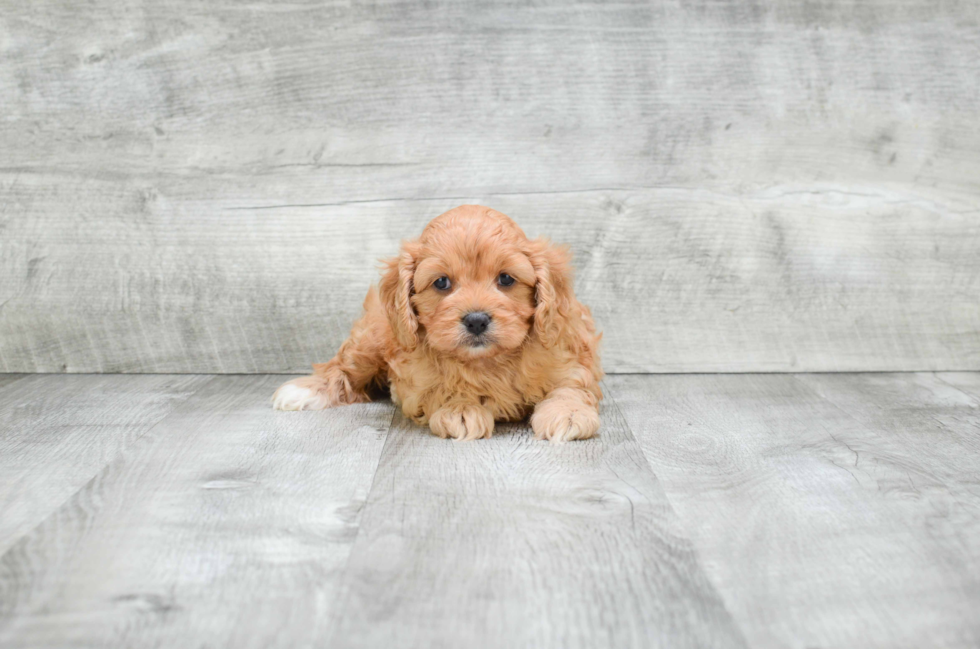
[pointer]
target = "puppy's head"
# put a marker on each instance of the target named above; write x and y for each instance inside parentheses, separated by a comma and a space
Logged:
(474, 286)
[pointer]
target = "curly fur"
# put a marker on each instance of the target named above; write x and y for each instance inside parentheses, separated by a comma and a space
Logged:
(540, 352)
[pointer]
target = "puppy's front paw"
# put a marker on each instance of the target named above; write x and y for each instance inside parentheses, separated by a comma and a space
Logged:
(562, 420)
(462, 422)
(304, 393)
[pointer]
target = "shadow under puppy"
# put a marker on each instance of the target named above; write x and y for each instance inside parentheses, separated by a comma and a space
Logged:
(472, 323)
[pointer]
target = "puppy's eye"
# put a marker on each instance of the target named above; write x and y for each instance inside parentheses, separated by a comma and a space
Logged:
(505, 280)
(442, 283)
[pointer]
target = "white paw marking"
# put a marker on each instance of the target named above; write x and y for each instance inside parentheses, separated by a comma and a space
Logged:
(294, 397)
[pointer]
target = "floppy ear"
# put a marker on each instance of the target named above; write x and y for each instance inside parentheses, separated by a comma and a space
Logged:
(552, 289)
(396, 295)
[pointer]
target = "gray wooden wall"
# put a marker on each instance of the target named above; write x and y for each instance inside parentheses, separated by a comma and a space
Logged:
(748, 186)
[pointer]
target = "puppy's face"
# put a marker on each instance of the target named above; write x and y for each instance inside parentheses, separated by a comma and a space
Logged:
(474, 286)
(474, 293)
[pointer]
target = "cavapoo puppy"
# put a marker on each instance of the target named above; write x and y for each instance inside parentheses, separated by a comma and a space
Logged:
(472, 323)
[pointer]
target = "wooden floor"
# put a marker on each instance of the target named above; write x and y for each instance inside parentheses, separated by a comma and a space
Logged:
(760, 510)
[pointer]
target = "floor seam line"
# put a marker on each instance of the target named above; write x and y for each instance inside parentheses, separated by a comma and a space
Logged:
(972, 397)
(680, 521)
(342, 598)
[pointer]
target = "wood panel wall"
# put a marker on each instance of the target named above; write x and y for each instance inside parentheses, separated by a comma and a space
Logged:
(767, 186)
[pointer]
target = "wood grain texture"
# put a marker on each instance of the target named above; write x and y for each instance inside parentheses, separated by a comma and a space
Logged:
(56, 433)
(769, 186)
(787, 510)
(227, 524)
(516, 543)
(829, 510)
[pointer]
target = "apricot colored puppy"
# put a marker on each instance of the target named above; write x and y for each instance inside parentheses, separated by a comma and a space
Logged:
(472, 323)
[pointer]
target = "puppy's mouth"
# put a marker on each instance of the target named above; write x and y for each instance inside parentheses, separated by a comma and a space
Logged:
(476, 345)
(477, 342)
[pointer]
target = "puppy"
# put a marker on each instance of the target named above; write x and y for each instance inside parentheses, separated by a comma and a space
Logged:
(472, 323)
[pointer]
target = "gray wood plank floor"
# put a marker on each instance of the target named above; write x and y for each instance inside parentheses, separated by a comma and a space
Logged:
(58, 434)
(829, 510)
(520, 543)
(713, 510)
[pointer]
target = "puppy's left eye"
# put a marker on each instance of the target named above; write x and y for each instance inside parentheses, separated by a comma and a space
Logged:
(505, 280)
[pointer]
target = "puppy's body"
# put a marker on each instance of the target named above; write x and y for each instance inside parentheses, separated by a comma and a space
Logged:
(472, 323)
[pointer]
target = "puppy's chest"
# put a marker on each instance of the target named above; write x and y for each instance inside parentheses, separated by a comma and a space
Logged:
(505, 393)
(504, 389)
(502, 382)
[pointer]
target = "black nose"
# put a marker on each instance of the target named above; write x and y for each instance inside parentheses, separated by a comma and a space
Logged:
(476, 323)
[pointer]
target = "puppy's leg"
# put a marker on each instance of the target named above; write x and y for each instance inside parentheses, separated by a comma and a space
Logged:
(346, 378)
(569, 412)
(329, 385)
(463, 420)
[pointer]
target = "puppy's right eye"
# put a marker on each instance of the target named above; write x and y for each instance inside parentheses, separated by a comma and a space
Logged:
(505, 280)
(442, 283)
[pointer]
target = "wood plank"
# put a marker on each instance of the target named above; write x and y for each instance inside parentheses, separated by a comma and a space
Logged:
(829, 510)
(57, 432)
(226, 525)
(781, 283)
(517, 543)
(774, 187)
(473, 97)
